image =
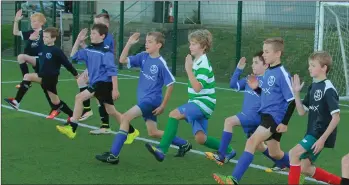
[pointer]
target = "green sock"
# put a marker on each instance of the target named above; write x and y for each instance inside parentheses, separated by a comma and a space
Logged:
(169, 134)
(214, 143)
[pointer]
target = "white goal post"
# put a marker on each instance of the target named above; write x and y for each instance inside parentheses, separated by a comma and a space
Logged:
(332, 35)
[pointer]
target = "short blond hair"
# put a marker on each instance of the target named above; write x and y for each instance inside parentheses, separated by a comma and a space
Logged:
(277, 43)
(203, 37)
(323, 58)
(158, 36)
(39, 16)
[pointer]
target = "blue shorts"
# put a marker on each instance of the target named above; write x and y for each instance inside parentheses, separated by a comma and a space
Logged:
(194, 116)
(147, 109)
(249, 122)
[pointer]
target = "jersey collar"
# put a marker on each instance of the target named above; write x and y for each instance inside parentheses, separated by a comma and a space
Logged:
(279, 65)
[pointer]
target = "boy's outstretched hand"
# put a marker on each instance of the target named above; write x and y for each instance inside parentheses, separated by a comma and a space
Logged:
(242, 63)
(19, 15)
(82, 35)
(296, 84)
(134, 38)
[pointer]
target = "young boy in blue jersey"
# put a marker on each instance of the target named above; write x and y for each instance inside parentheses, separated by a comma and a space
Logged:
(102, 18)
(150, 103)
(249, 118)
(277, 106)
(202, 99)
(345, 170)
(321, 103)
(102, 75)
(34, 43)
(48, 64)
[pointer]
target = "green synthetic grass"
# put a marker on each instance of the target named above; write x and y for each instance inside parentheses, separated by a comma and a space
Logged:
(33, 152)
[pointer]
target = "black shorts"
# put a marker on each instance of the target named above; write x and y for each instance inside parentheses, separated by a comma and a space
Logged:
(268, 122)
(103, 92)
(49, 83)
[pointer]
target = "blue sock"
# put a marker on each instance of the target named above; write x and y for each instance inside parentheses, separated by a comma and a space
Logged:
(244, 162)
(284, 161)
(266, 153)
(118, 142)
(178, 141)
(226, 138)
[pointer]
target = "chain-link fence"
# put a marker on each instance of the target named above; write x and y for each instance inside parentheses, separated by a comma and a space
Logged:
(294, 21)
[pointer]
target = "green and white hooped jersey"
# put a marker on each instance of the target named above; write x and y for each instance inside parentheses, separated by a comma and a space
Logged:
(206, 98)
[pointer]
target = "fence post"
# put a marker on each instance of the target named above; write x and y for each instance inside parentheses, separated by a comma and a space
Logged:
(238, 33)
(54, 11)
(121, 31)
(199, 12)
(174, 37)
(18, 41)
(76, 17)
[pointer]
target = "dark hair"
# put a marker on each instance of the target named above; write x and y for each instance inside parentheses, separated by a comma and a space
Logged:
(104, 15)
(101, 29)
(259, 54)
(53, 32)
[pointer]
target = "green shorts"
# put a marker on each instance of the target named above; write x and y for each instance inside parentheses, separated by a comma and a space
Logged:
(307, 142)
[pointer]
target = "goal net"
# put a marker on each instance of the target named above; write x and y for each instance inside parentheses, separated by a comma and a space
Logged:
(332, 35)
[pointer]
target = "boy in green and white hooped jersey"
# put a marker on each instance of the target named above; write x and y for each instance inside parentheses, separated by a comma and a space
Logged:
(202, 99)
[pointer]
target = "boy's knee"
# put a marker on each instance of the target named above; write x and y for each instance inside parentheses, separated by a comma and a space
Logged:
(175, 114)
(126, 118)
(307, 170)
(21, 58)
(229, 122)
(200, 138)
(295, 152)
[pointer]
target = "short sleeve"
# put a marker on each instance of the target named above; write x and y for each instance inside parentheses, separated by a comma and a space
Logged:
(332, 99)
(286, 88)
(136, 60)
(167, 75)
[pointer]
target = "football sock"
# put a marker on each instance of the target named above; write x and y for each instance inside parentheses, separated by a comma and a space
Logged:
(244, 162)
(324, 176)
(22, 90)
(169, 134)
(104, 116)
(226, 138)
(345, 181)
(118, 142)
(24, 68)
(294, 174)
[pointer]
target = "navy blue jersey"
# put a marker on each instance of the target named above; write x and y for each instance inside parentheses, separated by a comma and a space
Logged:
(99, 61)
(321, 101)
(32, 47)
(276, 92)
(50, 60)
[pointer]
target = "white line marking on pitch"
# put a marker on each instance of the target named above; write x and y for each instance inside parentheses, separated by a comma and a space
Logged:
(151, 141)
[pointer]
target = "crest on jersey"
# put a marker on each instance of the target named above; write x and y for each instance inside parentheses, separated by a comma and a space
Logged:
(271, 80)
(318, 95)
(154, 69)
(48, 55)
